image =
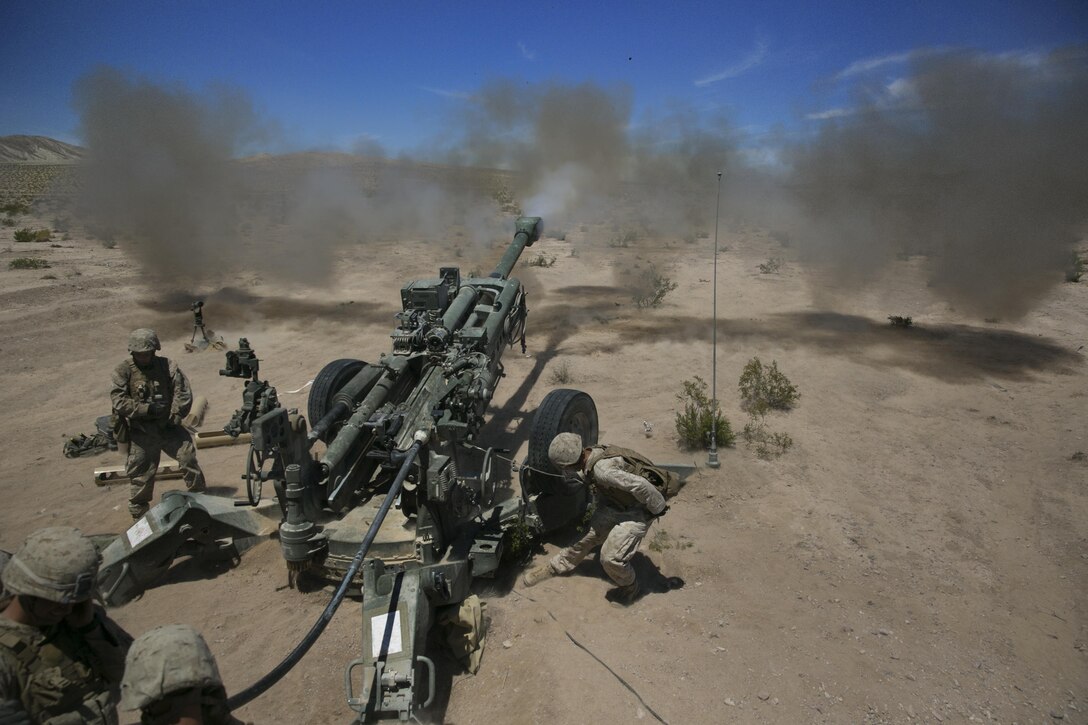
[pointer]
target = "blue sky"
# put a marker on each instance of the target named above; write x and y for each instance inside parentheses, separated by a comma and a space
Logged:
(331, 73)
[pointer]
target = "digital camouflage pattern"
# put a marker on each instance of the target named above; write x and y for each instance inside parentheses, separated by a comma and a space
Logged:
(58, 674)
(165, 660)
(170, 669)
(143, 340)
(152, 401)
(58, 563)
(565, 449)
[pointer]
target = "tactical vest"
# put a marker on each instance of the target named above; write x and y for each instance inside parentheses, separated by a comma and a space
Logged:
(55, 687)
(145, 384)
(664, 480)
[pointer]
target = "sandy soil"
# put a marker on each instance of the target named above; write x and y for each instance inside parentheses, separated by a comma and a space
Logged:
(920, 554)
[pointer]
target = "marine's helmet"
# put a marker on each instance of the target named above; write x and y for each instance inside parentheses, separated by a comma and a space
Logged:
(58, 563)
(165, 660)
(143, 340)
(565, 449)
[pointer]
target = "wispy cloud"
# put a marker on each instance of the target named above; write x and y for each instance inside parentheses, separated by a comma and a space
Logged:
(526, 52)
(830, 113)
(865, 65)
(749, 61)
(461, 95)
(868, 64)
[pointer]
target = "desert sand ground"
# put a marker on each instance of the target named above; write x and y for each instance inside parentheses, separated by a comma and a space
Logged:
(920, 554)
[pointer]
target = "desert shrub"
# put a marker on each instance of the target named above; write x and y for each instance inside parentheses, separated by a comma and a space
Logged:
(9, 221)
(765, 388)
(651, 288)
(14, 208)
(899, 321)
(574, 251)
(561, 374)
(541, 260)
(49, 276)
(697, 415)
(28, 263)
(624, 238)
(60, 223)
(30, 235)
(767, 443)
(1076, 269)
(771, 266)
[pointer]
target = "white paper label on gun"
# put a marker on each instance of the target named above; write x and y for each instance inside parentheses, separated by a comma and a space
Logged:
(378, 627)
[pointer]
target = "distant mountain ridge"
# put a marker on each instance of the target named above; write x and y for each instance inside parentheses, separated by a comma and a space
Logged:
(38, 150)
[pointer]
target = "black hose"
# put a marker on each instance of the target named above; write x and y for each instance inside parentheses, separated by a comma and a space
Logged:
(258, 688)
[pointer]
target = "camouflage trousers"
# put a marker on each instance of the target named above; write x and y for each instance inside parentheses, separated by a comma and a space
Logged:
(145, 448)
(618, 533)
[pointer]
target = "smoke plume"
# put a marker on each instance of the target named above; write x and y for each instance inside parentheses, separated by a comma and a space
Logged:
(978, 162)
(159, 170)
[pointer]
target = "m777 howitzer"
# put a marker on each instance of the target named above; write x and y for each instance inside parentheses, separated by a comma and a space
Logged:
(403, 433)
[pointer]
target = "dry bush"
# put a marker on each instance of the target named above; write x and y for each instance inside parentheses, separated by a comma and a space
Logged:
(28, 263)
(561, 374)
(765, 388)
(698, 416)
(651, 287)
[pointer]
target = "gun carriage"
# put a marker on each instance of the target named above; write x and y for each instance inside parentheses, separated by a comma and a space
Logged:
(403, 434)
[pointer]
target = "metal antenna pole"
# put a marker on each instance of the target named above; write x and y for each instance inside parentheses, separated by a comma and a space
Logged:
(712, 458)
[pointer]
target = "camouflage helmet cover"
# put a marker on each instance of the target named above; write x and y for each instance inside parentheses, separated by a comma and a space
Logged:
(143, 340)
(565, 449)
(165, 660)
(58, 563)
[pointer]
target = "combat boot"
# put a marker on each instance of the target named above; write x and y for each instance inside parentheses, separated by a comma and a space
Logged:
(537, 575)
(625, 596)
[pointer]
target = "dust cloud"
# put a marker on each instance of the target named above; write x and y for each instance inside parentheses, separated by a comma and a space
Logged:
(158, 170)
(577, 153)
(977, 162)
(163, 176)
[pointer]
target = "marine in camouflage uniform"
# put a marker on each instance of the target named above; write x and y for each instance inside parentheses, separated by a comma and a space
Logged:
(61, 657)
(153, 396)
(171, 677)
(627, 503)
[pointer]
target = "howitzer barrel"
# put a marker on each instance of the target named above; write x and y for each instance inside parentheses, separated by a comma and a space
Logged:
(528, 231)
(353, 429)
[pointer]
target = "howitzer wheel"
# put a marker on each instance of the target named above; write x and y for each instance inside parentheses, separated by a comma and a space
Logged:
(562, 411)
(558, 501)
(256, 475)
(327, 384)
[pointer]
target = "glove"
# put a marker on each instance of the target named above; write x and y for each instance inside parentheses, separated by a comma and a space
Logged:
(156, 410)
